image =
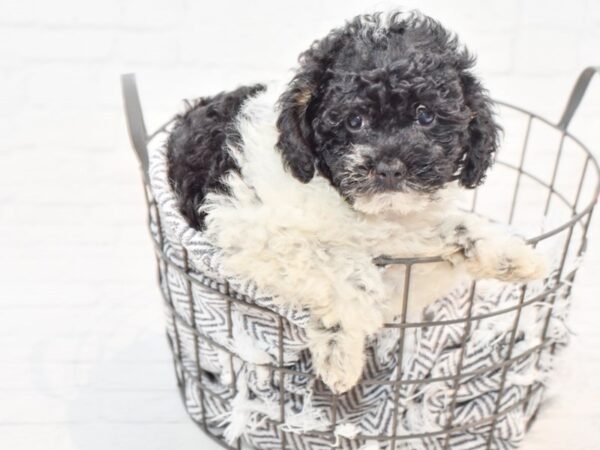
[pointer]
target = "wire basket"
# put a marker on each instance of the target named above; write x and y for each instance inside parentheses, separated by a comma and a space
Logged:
(549, 184)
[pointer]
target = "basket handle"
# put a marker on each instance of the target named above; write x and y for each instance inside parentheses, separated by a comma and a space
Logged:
(135, 120)
(577, 95)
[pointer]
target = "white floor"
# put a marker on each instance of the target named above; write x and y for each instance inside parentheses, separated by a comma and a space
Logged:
(83, 359)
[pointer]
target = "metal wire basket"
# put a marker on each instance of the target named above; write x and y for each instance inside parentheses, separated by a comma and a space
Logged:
(553, 175)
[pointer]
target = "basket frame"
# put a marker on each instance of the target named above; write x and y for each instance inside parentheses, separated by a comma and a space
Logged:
(581, 216)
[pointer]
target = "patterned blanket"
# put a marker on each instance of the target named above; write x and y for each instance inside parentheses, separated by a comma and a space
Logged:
(246, 396)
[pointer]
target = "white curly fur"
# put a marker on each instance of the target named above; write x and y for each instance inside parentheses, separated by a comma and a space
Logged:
(310, 248)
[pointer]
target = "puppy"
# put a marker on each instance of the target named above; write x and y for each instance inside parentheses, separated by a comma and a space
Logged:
(359, 155)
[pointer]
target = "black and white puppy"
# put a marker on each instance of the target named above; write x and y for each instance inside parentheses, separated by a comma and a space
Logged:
(360, 155)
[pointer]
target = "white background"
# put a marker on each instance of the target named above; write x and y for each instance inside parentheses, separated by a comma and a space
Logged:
(83, 359)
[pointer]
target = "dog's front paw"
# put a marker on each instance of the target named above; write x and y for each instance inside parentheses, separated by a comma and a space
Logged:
(487, 252)
(518, 262)
(506, 259)
(338, 358)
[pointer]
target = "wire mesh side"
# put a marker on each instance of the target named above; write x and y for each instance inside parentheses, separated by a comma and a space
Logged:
(456, 381)
(580, 219)
(196, 343)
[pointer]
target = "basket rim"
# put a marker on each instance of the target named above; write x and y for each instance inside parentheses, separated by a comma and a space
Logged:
(576, 217)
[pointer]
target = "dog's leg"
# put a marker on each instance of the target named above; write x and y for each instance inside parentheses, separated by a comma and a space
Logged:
(488, 252)
(327, 273)
(337, 353)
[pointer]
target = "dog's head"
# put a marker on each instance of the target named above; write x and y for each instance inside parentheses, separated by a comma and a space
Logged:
(386, 105)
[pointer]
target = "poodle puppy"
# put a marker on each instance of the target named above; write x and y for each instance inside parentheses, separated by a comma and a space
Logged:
(360, 155)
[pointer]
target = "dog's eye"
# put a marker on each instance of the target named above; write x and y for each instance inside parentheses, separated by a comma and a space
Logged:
(354, 122)
(424, 116)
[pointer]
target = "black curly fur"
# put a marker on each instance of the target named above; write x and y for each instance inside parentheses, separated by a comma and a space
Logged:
(383, 74)
(196, 153)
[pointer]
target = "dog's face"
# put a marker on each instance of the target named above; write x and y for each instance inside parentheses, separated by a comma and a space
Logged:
(386, 105)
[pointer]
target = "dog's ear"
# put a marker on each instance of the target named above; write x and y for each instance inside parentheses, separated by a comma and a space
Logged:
(294, 122)
(483, 133)
(294, 130)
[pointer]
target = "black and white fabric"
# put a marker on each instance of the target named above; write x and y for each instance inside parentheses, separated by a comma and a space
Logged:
(246, 397)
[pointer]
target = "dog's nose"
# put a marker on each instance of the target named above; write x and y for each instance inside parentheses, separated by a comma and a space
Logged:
(390, 172)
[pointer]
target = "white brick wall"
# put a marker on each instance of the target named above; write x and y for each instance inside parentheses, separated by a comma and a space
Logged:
(67, 54)
(83, 364)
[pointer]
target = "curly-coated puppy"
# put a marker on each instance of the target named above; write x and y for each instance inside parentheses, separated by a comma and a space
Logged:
(359, 155)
